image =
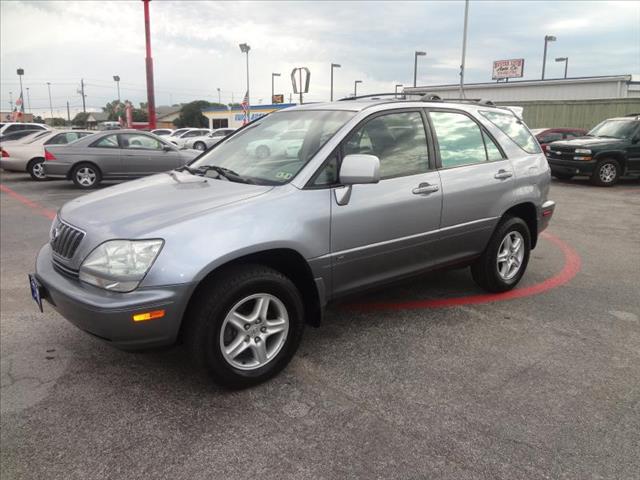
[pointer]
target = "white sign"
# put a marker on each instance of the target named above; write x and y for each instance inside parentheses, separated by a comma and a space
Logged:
(513, 68)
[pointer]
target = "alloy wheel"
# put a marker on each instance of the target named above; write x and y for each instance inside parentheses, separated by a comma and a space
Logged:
(86, 176)
(254, 331)
(607, 173)
(510, 255)
(38, 170)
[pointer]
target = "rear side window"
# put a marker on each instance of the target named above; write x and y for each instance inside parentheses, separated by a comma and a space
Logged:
(110, 141)
(514, 129)
(459, 138)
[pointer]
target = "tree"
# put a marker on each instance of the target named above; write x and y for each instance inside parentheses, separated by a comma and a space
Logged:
(57, 122)
(38, 119)
(80, 119)
(113, 108)
(191, 115)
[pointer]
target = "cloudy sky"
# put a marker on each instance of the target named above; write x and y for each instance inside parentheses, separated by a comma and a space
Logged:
(195, 45)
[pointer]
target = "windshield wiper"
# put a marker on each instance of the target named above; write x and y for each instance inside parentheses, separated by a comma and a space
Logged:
(224, 172)
(186, 168)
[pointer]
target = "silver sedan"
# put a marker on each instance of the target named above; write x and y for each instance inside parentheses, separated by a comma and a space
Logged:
(205, 142)
(110, 155)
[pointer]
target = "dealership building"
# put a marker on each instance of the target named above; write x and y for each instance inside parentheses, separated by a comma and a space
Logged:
(232, 117)
(580, 102)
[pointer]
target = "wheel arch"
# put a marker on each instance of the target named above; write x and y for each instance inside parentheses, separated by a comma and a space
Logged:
(34, 159)
(616, 155)
(287, 261)
(526, 211)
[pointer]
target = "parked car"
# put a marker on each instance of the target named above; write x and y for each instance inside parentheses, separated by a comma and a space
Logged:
(29, 156)
(112, 155)
(183, 137)
(610, 150)
(234, 254)
(162, 132)
(287, 143)
(21, 136)
(10, 127)
(207, 141)
(547, 135)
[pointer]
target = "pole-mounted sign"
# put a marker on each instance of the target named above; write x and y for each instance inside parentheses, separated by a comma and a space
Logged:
(298, 86)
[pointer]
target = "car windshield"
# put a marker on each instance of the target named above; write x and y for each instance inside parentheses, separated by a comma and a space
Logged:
(275, 148)
(614, 129)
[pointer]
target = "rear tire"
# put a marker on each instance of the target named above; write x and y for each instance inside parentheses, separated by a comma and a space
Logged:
(606, 173)
(200, 146)
(504, 261)
(232, 337)
(35, 168)
(86, 175)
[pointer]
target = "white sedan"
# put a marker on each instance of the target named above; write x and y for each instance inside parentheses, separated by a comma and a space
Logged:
(181, 138)
(207, 141)
(287, 144)
(29, 156)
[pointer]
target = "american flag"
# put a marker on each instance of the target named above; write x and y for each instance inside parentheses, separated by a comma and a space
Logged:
(245, 108)
(18, 112)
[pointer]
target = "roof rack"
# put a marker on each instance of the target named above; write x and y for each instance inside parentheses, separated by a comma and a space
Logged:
(374, 96)
(424, 98)
(435, 98)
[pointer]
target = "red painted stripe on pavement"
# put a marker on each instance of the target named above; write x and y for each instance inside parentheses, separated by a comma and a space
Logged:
(39, 209)
(571, 267)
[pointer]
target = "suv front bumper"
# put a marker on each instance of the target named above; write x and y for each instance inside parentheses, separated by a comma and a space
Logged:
(109, 315)
(571, 167)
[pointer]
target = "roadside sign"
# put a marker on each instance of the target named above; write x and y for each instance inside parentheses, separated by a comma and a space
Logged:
(513, 68)
(299, 86)
(277, 98)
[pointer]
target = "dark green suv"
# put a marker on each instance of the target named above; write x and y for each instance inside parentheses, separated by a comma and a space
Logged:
(610, 150)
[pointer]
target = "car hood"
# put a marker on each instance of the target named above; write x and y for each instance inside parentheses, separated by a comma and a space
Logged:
(588, 142)
(140, 207)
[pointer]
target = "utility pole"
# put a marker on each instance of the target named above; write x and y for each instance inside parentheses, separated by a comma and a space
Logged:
(151, 101)
(464, 47)
(50, 104)
(68, 113)
(11, 100)
(84, 105)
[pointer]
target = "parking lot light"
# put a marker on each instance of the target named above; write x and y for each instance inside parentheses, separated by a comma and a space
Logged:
(333, 65)
(566, 64)
(273, 75)
(398, 85)
(244, 48)
(415, 65)
(355, 87)
(547, 39)
(116, 78)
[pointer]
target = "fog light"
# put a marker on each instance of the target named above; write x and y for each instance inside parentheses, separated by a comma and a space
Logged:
(143, 317)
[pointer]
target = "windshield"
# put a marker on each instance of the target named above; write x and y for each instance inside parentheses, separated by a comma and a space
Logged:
(275, 148)
(614, 129)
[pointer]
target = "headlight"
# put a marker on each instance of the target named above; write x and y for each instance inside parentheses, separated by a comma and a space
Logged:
(585, 151)
(120, 265)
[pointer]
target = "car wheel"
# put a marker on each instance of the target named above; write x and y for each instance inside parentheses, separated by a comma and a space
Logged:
(245, 325)
(505, 259)
(563, 176)
(606, 173)
(86, 175)
(200, 146)
(35, 168)
(263, 151)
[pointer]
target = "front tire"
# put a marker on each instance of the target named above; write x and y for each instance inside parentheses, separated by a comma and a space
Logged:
(35, 169)
(505, 259)
(606, 173)
(245, 325)
(200, 146)
(86, 175)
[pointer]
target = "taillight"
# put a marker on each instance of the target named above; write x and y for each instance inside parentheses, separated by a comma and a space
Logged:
(48, 155)
(5, 154)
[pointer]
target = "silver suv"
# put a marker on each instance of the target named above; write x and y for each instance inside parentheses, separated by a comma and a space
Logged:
(236, 252)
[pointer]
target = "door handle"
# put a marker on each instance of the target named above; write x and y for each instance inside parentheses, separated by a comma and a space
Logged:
(425, 188)
(503, 174)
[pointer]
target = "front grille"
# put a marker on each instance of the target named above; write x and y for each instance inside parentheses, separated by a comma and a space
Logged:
(561, 153)
(65, 239)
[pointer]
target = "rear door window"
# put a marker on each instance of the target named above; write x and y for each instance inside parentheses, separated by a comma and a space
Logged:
(110, 141)
(460, 139)
(134, 141)
(513, 127)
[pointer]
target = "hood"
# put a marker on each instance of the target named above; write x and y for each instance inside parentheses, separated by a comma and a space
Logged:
(588, 142)
(140, 207)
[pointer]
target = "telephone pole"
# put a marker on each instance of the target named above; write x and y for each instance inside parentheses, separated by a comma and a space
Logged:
(68, 113)
(84, 106)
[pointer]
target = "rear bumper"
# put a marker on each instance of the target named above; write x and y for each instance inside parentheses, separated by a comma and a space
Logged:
(56, 169)
(572, 167)
(13, 164)
(108, 315)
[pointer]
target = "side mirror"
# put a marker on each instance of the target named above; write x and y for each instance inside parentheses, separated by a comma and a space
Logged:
(167, 148)
(356, 169)
(359, 168)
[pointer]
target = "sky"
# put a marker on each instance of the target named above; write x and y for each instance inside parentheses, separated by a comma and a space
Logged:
(195, 46)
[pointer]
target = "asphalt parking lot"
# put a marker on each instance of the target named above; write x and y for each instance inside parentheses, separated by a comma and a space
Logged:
(428, 379)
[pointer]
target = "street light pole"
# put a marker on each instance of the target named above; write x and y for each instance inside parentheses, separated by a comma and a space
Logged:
(547, 39)
(219, 99)
(464, 47)
(355, 87)
(333, 65)
(50, 104)
(28, 100)
(566, 64)
(20, 73)
(244, 48)
(398, 85)
(415, 66)
(151, 99)
(116, 78)
(273, 75)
